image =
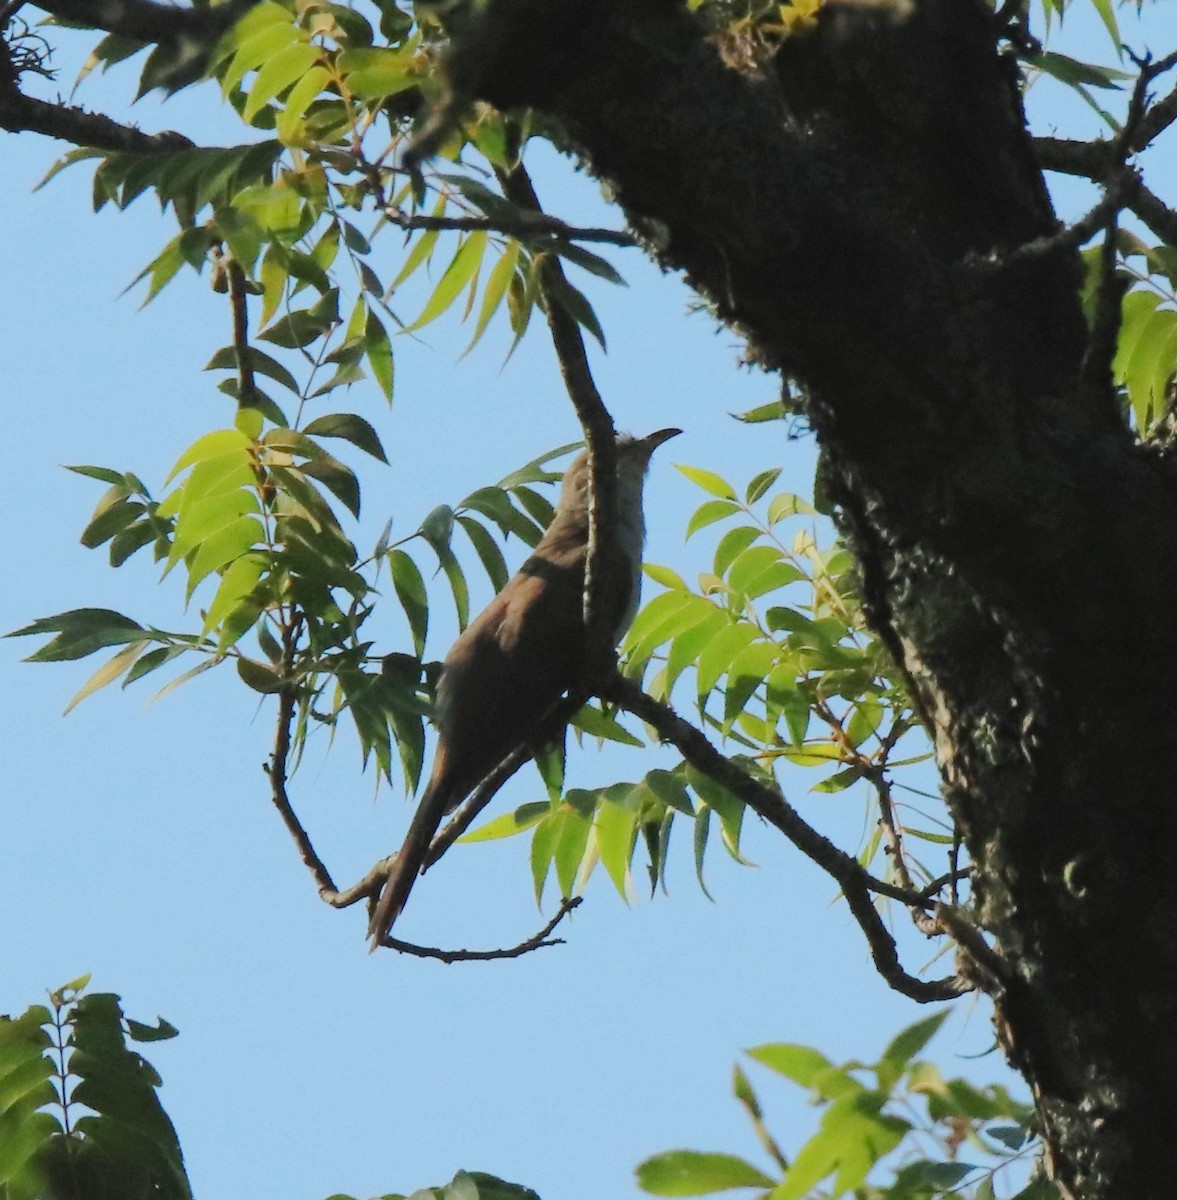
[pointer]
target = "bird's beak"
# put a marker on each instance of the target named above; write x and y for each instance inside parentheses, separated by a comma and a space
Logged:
(655, 440)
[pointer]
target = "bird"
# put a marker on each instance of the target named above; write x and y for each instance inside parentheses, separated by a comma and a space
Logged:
(516, 659)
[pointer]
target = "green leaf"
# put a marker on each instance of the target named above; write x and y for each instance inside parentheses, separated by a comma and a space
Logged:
(708, 513)
(379, 351)
(1073, 72)
(259, 676)
(487, 550)
(745, 675)
(708, 481)
(572, 839)
(615, 826)
(105, 474)
(236, 586)
(130, 1126)
(801, 1064)
(111, 521)
(786, 504)
(719, 654)
(668, 788)
(459, 273)
(728, 807)
(375, 73)
(278, 73)
(496, 288)
(221, 442)
(108, 673)
(438, 527)
(601, 725)
(422, 250)
(223, 547)
(733, 543)
(457, 580)
(905, 1046)
(774, 410)
(338, 479)
(290, 127)
(526, 816)
(351, 428)
(574, 303)
(226, 359)
(593, 263)
(410, 590)
(80, 632)
(693, 1173)
(760, 484)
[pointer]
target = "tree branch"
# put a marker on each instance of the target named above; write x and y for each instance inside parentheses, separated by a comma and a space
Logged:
(528, 226)
(765, 800)
(20, 114)
(536, 942)
(599, 432)
(276, 770)
(149, 21)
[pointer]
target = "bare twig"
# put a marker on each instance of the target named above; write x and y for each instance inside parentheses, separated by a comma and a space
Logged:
(276, 769)
(948, 879)
(526, 226)
(856, 883)
(536, 942)
(1145, 120)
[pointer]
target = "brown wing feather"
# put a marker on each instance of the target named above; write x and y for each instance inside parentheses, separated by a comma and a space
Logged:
(503, 673)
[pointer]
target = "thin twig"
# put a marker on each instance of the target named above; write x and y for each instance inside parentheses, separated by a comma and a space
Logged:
(526, 226)
(276, 770)
(536, 942)
(1146, 121)
(856, 883)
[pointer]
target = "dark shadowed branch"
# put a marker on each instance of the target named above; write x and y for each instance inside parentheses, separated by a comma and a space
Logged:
(764, 799)
(527, 226)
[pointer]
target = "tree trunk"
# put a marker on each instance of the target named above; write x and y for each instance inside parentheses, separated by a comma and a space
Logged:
(856, 207)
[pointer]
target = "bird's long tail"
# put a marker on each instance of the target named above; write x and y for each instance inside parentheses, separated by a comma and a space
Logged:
(407, 865)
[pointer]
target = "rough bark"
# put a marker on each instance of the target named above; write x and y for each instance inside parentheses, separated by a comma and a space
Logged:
(856, 208)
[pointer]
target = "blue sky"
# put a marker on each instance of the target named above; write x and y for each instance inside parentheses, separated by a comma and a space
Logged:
(140, 844)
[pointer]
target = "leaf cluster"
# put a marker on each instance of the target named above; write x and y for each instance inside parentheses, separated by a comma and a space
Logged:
(79, 1113)
(898, 1115)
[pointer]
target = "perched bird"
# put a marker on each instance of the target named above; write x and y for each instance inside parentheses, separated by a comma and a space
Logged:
(522, 652)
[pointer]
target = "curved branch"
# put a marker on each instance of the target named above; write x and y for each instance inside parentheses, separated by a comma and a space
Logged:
(536, 942)
(856, 883)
